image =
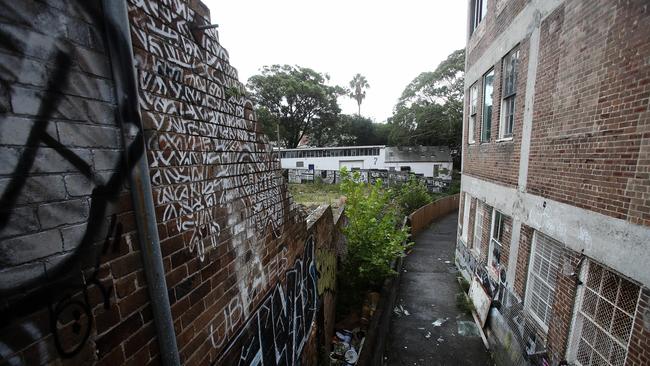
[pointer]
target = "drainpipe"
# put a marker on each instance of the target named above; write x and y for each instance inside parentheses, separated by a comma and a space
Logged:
(118, 35)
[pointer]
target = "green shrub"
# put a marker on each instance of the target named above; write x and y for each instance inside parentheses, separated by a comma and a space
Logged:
(412, 195)
(373, 232)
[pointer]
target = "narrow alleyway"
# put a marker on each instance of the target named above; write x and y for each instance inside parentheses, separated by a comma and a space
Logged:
(427, 328)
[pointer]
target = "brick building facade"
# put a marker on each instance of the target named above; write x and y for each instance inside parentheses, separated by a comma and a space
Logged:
(555, 206)
(245, 275)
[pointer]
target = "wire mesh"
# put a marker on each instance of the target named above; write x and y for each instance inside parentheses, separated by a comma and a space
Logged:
(605, 317)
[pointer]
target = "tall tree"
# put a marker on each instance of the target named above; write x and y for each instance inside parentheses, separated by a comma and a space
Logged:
(358, 84)
(295, 99)
(430, 110)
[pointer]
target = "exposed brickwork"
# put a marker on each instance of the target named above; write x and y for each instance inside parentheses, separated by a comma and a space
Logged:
(500, 14)
(590, 136)
(523, 256)
(505, 241)
(639, 348)
(470, 222)
(497, 161)
(233, 244)
(53, 243)
(563, 302)
(589, 144)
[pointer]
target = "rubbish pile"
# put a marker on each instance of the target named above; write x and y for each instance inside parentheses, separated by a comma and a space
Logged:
(344, 347)
(347, 345)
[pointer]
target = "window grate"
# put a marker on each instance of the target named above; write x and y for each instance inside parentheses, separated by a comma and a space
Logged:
(478, 226)
(545, 263)
(604, 318)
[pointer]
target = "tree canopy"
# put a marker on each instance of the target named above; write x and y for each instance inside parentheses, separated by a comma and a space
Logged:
(352, 130)
(297, 99)
(430, 110)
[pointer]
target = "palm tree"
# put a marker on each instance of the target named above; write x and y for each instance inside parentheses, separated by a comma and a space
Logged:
(357, 92)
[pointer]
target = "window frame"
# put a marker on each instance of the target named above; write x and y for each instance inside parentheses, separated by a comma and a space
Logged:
(478, 223)
(510, 69)
(494, 241)
(467, 204)
(487, 113)
(478, 12)
(530, 284)
(473, 113)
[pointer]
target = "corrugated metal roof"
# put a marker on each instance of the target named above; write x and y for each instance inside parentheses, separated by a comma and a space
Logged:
(397, 154)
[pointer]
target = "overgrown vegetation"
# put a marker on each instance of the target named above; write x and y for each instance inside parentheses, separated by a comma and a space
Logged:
(412, 195)
(375, 238)
(315, 194)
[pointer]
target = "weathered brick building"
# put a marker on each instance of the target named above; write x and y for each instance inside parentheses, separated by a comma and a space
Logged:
(143, 216)
(555, 211)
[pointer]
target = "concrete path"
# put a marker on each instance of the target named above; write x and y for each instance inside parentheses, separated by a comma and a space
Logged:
(432, 333)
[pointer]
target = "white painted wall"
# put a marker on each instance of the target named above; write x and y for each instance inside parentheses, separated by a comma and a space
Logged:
(366, 162)
(335, 162)
(424, 168)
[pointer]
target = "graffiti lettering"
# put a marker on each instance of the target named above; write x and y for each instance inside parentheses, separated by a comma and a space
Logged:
(277, 332)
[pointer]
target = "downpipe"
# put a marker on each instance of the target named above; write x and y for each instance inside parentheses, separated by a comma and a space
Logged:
(118, 36)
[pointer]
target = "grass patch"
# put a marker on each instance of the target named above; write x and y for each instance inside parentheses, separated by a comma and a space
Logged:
(314, 194)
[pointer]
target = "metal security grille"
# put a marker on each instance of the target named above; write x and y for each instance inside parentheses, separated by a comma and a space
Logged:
(478, 226)
(546, 260)
(604, 318)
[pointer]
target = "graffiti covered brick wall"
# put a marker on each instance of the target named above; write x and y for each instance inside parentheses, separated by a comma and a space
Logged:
(71, 283)
(240, 264)
(228, 229)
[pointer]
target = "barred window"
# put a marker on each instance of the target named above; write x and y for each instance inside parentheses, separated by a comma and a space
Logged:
(604, 320)
(478, 225)
(467, 199)
(496, 239)
(545, 262)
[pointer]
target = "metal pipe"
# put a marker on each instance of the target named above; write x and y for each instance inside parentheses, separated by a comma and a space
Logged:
(118, 34)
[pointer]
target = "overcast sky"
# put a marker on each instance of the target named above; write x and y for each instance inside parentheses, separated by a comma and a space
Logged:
(389, 42)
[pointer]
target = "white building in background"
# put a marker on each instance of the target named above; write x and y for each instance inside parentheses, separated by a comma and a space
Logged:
(430, 161)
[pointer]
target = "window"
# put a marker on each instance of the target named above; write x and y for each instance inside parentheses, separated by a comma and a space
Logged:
(510, 66)
(473, 101)
(478, 226)
(486, 127)
(604, 318)
(467, 200)
(300, 164)
(405, 169)
(496, 238)
(479, 9)
(544, 264)
(436, 170)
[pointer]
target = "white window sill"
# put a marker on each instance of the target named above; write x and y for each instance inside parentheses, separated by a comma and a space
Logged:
(505, 139)
(471, 142)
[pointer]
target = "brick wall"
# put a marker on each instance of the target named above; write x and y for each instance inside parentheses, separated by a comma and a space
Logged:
(242, 267)
(500, 13)
(497, 161)
(70, 274)
(639, 348)
(566, 286)
(523, 257)
(589, 140)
